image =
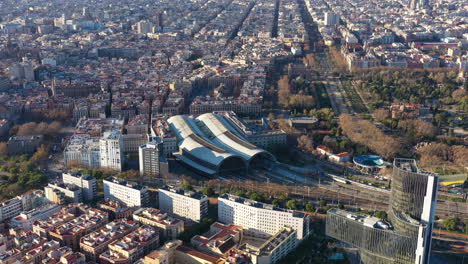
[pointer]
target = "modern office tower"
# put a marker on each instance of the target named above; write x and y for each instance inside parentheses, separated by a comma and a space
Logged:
(86, 183)
(129, 193)
(111, 150)
(189, 205)
(331, 19)
(259, 218)
(411, 212)
(150, 157)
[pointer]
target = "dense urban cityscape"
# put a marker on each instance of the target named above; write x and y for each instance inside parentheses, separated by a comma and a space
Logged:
(233, 131)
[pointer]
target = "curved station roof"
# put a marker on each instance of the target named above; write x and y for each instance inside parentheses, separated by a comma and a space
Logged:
(209, 140)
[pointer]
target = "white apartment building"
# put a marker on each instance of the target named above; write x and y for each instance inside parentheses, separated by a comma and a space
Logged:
(10, 208)
(111, 150)
(125, 192)
(86, 183)
(83, 149)
(25, 202)
(26, 219)
(260, 218)
(189, 205)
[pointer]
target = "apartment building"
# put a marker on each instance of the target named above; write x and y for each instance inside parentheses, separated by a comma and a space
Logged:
(43, 227)
(26, 219)
(115, 209)
(260, 219)
(112, 150)
(273, 249)
(169, 227)
(10, 208)
(163, 255)
(129, 193)
(60, 193)
(95, 243)
(37, 254)
(85, 182)
(64, 255)
(186, 204)
(219, 240)
(70, 233)
(151, 158)
(131, 247)
(16, 242)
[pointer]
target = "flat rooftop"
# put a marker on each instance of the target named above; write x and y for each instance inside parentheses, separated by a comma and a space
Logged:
(190, 194)
(260, 205)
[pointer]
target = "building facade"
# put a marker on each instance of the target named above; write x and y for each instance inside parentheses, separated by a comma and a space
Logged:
(131, 247)
(95, 243)
(412, 211)
(150, 156)
(189, 205)
(86, 183)
(60, 193)
(259, 218)
(169, 227)
(129, 193)
(112, 150)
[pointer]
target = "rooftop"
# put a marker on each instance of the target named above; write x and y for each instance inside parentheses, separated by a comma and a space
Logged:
(260, 205)
(191, 194)
(157, 216)
(137, 239)
(126, 183)
(108, 232)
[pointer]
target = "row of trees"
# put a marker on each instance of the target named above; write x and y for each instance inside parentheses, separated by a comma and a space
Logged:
(366, 133)
(416, 128)
(20, 174)
(455, 224)
(436, 155)
(408, 86)
(33, 128)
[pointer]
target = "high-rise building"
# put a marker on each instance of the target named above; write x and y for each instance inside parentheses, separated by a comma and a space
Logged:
(331, 19)
(418, 4)
(150, 157)
(411, 212)
(129, 193)
(187, 204)
(260, 219)
(145, 27)
(111, 150)
(22, 71)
